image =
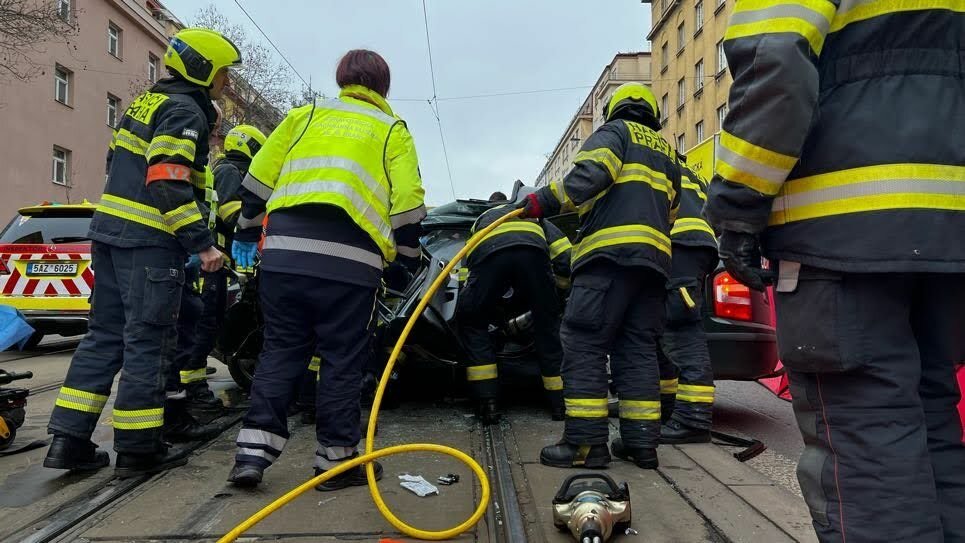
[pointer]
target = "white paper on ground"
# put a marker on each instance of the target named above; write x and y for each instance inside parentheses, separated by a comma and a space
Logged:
(418, 485)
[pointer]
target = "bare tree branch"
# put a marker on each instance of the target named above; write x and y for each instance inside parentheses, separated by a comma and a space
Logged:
(25, 26)
(261, 86)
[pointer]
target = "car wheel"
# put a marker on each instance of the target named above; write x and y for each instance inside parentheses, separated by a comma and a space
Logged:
(34, 340)
(242, 370)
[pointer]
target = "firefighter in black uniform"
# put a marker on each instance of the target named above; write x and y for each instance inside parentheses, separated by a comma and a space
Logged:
(625, 184)
(145, 226)
(842, 160)
(686, 376)
(240, 146)
(524, 255)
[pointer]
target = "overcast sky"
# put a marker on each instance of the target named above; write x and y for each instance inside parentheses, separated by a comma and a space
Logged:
(478, 47)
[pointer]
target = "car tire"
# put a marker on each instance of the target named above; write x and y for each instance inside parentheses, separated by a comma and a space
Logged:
(34, 340)
(242, 370)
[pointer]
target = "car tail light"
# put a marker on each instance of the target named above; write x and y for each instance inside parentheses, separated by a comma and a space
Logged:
(732, 300)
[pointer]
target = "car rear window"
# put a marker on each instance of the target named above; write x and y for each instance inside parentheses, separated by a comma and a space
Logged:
(44, 229)
(461, 208)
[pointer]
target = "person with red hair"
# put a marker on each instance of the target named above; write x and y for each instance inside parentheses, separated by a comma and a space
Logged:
(339, 182)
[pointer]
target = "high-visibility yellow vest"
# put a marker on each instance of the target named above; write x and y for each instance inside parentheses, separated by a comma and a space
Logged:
(338, 157)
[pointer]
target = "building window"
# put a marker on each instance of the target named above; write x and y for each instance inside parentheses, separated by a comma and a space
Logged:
(664, 56)
(699, 75)
(60, 166)
(721, 114)
(114, 40)
(698, 16)
(62, 80)
(699, 128)
(681, 143)
(63, 10)
(113, 105)
(152, 67)
(721, 58)
(665, 107)
(681, 92)
(681, 40)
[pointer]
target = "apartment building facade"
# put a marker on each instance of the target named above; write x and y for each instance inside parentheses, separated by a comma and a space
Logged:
(624, 68)
(60, 121)
(691, 80)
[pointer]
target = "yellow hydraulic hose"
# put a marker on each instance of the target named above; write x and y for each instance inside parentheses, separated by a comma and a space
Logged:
(372, 454)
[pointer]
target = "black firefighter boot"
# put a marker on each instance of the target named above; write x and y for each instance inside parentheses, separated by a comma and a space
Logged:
(643, 457)
(180, 426)
(487, 409)
(68, 452)
(133, 465)
(353, 477)
(201, 397)
(675, 432)
(568, 455)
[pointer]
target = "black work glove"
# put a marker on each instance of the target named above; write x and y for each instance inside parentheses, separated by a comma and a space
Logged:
(741, 254)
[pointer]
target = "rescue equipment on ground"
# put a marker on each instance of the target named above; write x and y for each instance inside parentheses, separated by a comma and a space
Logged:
(372, 454)
(592, 507)
(12, 404)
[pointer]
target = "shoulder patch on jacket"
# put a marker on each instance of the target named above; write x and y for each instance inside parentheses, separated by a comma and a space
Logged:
(190, 133)
(143, 107)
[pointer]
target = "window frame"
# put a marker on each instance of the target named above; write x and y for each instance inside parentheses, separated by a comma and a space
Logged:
(699, 130)
(682, 142)
(114, 34)
(65, 82)
(721, 58)
(112, 119)
(64, 164)
(664, 56)
(153, 65)
(665, 107)
(698, 17)
(681, 37)
(681, 92)
(67, 14)
(721, 115)
(699, 76)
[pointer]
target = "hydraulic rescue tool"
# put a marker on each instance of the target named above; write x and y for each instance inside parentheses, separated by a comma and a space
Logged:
(372, 454)
(12, 403)
(592, 507)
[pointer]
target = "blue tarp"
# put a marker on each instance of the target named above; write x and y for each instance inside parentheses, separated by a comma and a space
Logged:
(14, 330)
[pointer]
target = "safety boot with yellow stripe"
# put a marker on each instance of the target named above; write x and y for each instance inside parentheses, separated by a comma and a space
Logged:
(568, 455)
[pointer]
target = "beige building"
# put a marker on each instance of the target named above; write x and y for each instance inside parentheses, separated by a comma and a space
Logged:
(624, 68)
(691, 79)
(58, 124)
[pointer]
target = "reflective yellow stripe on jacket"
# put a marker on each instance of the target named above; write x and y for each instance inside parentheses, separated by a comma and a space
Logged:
(146, 215)
(691, 224)
(808, 18)
(747, 164)
(622, 235)
(512, 226)
(871, 188)
(559, 247)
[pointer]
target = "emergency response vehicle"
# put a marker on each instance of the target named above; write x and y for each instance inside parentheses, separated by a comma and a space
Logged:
(45, 267)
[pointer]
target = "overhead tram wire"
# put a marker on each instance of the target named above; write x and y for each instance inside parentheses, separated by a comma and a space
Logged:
(433, 102)
(277, 50)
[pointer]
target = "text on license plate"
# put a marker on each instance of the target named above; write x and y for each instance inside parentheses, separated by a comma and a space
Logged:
(36, 268)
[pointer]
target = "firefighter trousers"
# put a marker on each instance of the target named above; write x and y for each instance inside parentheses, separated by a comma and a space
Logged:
(182, 372)
(304, 315)
(617, 311)
(686, 375)
(213, 300)
(133, 317)
(527, 271)
(871, 361)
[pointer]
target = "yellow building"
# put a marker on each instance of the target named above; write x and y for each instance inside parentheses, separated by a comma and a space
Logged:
(624, 68)
(691, 80)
